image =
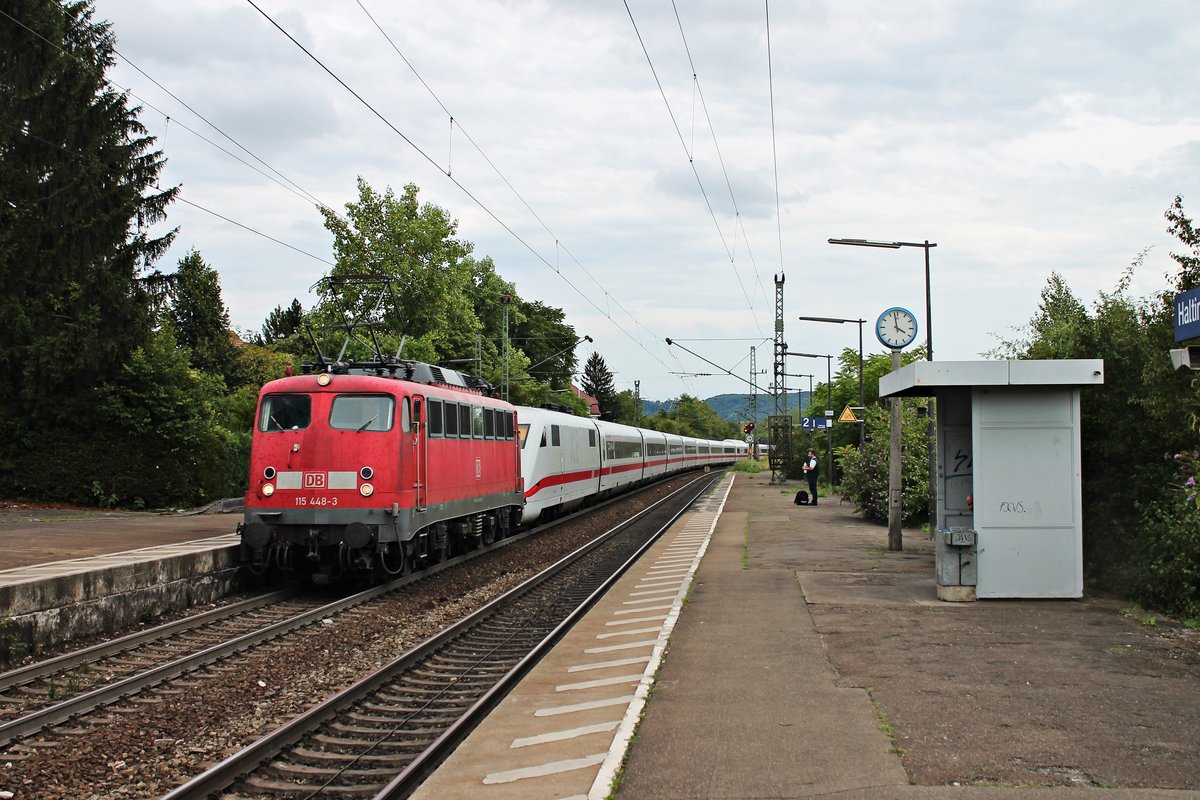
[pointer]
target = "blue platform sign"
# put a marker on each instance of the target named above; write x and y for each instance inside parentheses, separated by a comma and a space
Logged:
(1187, 315)
(815, 423)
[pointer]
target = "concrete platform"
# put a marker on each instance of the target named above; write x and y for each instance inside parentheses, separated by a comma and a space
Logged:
(129, 568)
(564, 730)
(788, 654)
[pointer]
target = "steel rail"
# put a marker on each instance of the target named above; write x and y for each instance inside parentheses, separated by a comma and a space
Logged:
(222, 775)
(428, 761)
(76, 658)
(40, 719)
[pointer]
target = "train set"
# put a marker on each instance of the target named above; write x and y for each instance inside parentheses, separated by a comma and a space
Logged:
(375, 469)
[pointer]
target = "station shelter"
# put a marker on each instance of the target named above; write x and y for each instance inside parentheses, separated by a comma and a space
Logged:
(1009, 492)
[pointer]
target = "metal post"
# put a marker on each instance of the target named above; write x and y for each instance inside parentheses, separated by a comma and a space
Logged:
(829, 404)
(895, 508)
(862, 423)
(931, 428)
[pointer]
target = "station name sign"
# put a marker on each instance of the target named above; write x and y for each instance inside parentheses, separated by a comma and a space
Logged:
(1187, 315)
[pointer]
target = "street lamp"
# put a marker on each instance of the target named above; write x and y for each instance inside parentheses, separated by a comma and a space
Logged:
(926, 245)
(862, 423)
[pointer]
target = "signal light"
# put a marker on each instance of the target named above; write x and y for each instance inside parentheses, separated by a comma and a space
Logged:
(749, 426)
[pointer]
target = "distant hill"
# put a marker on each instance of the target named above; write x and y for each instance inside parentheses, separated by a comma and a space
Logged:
(734, 407)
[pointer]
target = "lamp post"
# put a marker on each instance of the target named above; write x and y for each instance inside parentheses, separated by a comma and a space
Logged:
(828, 402)
(926, 245)
(862, 423)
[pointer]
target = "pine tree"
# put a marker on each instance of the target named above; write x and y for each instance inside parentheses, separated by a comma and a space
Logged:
(597, 381)
(199, 317)
(282, 323)
(77, 196)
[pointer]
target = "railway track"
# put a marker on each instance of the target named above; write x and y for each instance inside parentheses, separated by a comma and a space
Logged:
(43, 684)
(381, 736)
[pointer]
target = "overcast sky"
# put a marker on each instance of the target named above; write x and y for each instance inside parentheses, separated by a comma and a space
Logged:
(1022, 138)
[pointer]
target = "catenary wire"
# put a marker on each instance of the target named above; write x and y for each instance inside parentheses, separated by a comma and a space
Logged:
(449, 177)
(691, 161)
(720, 158)
(455, 121)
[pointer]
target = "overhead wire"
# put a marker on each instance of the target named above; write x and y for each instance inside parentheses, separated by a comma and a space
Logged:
(294, 188)
(80, 157)
(379, 115)
(717, 147)
(499, 173)
(691, 157)
(774, 151)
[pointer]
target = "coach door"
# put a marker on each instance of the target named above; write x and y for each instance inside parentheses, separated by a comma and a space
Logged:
(420, 449)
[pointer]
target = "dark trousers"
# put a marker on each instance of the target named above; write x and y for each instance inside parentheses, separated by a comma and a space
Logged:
(812, 486)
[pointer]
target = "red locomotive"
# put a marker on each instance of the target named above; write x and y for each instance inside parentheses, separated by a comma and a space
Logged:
(378, 468)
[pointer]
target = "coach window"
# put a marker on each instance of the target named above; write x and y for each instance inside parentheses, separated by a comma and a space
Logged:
(353, 412)
(285, 412)
(451, 420)
(433, 410)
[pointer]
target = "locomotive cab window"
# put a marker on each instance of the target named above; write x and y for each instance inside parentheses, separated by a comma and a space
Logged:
(434, 411)
(285, 412)
(372, 412)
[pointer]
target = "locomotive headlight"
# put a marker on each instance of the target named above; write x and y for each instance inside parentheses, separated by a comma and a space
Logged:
(268, 489)
(323, 379)
(366, 490)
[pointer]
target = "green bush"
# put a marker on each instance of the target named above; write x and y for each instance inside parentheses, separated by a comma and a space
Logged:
(865, 469)
(1170, 549)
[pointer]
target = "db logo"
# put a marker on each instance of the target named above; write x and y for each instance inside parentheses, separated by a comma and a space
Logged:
(315, 480)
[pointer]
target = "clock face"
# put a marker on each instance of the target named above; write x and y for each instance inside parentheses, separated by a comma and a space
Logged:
(896, 328)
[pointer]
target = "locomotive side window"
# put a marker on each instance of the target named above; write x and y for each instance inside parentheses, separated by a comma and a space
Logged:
(554, 434)
(507, 426)
(477, 422)
(591, 438)
(489, 423)
(285, 412)
(451, 420)
(358, 412)
(434, 410)
(464, 422)
(405, 416)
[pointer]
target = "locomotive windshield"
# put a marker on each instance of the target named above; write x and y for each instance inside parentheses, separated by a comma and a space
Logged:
(362, 412)
(285, 412)
(522, 432)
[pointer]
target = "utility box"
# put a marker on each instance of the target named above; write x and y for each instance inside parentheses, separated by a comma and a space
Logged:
(1008, 475)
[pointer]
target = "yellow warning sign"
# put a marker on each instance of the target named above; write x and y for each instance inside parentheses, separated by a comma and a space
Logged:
(847, 415)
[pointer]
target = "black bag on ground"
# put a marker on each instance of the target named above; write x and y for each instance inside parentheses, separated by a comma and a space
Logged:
(801, 498)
